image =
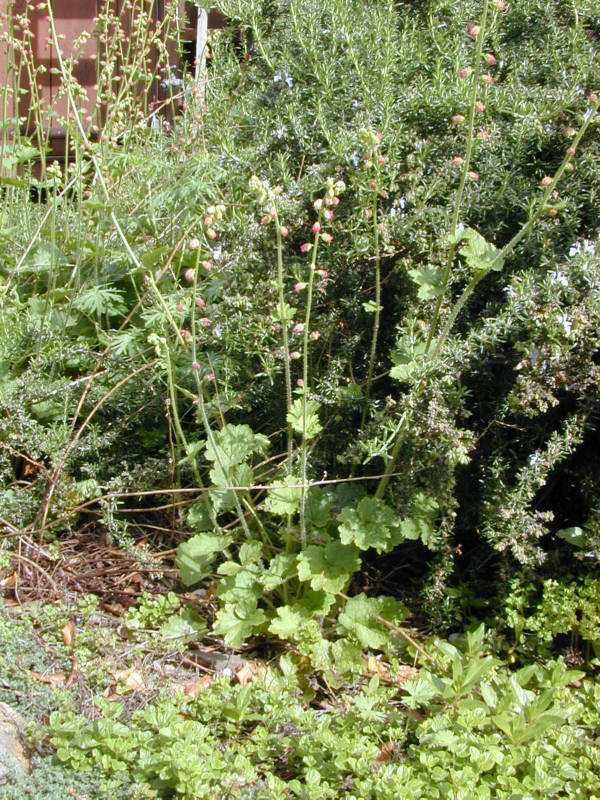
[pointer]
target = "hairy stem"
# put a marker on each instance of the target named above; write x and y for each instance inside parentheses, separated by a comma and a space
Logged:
(377, 311)
(464, 173)
(304, 446)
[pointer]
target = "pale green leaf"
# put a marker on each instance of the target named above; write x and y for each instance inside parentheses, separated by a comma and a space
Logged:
(283, 496)
(233, 444)
(329, 567)
(238, 622)
(310, 427)
(359, 618)
(371, 524)
(287, 623)
(430, 281)
(195, 557)
(480, 255)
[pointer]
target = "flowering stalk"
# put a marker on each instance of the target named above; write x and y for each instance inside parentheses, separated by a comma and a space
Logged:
(304, 447)
(377, 310)
(464, 173)
(284, 334)
(200, 389)
(549, 186)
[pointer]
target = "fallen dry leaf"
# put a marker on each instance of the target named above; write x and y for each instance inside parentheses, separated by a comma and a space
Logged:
(9, 581)
(75, 669)
(114, 608)
(193, 688)
(111, 696)
(376, 667)
(245, 672)
(385, 753)
(54, 680)
(131, 678)
(68, 634)
(405, 673)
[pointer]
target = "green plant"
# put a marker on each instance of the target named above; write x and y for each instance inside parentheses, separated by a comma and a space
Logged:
(566, 607)
(471, 727)
(392, 363)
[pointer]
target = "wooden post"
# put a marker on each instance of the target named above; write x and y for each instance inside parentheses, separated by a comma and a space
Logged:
(200, 60)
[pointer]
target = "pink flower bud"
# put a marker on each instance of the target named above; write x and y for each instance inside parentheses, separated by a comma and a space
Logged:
(327, 238)
(295, 355)
(490, 59)
(200, 302)
(315, 335)
(212, 234)
(284, 232)
(457, 161)
(316, 228)
(186, 335)
(205, 321)
(189, 274)
(457, 119)
(328, 214)
(194, 244)
(323, 273)
(298, 327)
(546, 180)
(180, 307)
(479, 107)
(298, 287)
(304, 248)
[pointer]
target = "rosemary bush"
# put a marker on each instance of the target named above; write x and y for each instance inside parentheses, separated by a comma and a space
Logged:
(348, 300)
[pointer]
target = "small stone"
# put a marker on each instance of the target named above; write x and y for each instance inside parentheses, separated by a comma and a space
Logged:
(13, 755)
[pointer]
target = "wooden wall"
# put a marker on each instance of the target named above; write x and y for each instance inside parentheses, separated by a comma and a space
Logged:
(71, 18)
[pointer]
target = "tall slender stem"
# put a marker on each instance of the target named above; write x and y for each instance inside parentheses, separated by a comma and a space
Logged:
(464, 173)
(377, 311)
(304, 448)
(284, 336)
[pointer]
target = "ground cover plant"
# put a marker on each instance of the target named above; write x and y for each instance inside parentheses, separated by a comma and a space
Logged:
(322, 347)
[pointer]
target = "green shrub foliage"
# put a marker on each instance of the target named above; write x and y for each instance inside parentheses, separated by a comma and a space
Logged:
(350, 300)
